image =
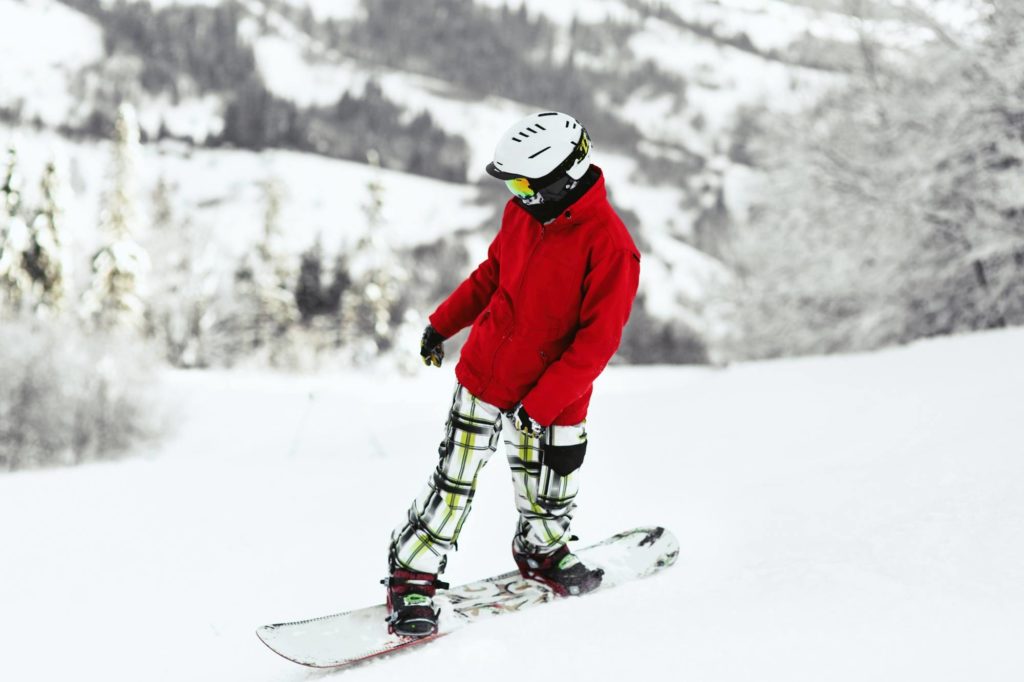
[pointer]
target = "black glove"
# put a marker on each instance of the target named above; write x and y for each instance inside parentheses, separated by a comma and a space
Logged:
(432, 347)
(526, 424)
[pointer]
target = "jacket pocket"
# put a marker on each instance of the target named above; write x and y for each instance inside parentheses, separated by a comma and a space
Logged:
(500, 310)
(520, 366)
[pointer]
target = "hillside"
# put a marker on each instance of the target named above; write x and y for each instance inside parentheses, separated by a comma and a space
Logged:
(661, 85)
(846, 518)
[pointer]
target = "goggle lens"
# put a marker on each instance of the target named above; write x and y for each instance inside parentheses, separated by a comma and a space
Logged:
(520, 187)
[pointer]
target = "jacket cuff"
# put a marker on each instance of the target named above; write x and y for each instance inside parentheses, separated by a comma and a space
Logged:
(439, 324)
(537, 411)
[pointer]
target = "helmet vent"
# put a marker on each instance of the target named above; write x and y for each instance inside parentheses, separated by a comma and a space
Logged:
(540, 126)
(548, 113)
(531, 129)
(535, 155)
(516, 139)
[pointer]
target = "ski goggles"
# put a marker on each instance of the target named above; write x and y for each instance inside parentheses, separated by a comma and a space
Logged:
(520, 187)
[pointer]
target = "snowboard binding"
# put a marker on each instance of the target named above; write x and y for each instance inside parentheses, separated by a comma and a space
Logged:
(560, 570)
(411, 611)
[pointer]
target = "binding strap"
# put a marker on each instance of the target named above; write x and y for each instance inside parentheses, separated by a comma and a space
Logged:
(402, 582)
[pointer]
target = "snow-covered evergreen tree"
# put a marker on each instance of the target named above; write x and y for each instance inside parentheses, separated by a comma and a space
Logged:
(370, 312)
(182, 283)
(265, 303)
(45, 259)
(114, 297)
(65, 396)
(312, 292)
(14, 239)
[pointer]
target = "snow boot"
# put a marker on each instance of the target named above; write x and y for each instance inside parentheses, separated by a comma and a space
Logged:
(411, 610)
(560, 570)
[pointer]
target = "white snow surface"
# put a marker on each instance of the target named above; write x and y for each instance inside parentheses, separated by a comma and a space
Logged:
(43, 44)
(843, 518)
(221, 191)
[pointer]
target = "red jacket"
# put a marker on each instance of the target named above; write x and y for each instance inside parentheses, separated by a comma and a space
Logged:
(547, 308)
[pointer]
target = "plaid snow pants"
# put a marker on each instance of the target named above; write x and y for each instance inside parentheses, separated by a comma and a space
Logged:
(545, 475)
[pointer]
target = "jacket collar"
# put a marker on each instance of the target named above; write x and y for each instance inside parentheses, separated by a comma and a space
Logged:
(582, 208)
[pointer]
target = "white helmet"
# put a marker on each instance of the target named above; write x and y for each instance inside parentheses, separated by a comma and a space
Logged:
(543, 148)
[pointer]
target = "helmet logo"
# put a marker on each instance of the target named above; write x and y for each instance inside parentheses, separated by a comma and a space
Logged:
(584, 144)
(582, 147)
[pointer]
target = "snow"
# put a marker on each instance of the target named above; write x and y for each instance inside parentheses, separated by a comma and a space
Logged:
(43, 44)
(221, 191)
(288, 74)
(565, 12)
(720, 78)
(842, 518)
(197, 118)
(675, 275)
(292, 73)
(480, 121)
(322, 196)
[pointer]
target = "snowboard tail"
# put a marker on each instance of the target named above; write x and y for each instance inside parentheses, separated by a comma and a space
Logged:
(344, 639)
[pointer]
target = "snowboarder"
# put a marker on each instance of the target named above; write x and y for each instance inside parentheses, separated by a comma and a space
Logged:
(547, 309)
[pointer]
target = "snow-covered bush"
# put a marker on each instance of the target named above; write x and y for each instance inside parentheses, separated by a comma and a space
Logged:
(68, 397)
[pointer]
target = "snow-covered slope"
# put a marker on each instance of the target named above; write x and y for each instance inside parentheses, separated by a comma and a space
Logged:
(727, 54)
(850, 518)
(221, 193)
(43, 44)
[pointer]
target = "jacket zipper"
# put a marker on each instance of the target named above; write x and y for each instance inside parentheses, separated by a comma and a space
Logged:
(526, 266)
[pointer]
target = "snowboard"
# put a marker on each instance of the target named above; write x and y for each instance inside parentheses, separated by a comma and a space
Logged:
(344, 639)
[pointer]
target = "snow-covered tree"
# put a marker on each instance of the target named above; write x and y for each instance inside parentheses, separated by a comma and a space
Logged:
(265, 307)
(14, 239)
(45, 259)
(320, 288)
(65, 396)
(370, 312)
(312, 291)
(114, 297)
(974, 204)
(182, 283)
(893, 209)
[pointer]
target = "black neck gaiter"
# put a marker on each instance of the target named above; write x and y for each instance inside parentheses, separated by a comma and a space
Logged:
(560, 196)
